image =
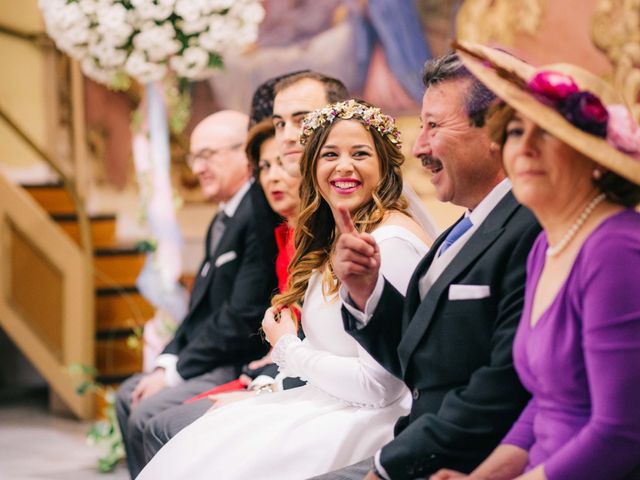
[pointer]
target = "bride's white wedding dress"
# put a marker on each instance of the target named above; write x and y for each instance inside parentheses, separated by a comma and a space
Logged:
(344, 413)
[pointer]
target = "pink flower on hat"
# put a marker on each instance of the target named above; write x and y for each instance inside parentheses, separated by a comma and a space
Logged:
(552, 87)
(623, 133)
(580, 108)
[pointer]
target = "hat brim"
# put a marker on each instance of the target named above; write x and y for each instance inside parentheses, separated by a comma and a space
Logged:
(481, 62)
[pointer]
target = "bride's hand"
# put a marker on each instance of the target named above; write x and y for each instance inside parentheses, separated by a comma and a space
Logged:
(356, 261)
(277, 324)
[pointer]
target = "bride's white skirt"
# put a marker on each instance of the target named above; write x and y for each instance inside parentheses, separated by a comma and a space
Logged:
(294, 434)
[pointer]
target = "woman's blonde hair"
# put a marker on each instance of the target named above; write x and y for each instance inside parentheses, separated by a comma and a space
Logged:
(315, 234)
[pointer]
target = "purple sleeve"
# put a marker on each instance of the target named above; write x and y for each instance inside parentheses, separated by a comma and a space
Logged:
(521, 434)
(608, 296)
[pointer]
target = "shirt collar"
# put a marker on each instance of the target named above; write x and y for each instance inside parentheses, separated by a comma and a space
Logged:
(488, 203)
(229, 207)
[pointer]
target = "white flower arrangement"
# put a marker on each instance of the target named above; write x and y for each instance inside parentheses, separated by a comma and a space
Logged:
(144, 39)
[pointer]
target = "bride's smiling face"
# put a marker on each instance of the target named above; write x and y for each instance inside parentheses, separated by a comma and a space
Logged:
(348, 168)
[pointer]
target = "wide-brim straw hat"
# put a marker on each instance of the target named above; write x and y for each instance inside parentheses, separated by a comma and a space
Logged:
(508, 78)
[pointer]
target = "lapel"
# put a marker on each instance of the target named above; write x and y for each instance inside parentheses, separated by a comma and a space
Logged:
(228, 239)
(200, 283)
(412, 300)
(208, 268)
(480, 241)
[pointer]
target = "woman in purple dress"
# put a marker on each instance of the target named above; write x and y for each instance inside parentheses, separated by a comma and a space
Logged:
(572, 152)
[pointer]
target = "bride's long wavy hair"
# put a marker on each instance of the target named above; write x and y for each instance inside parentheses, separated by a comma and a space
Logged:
(315, 233)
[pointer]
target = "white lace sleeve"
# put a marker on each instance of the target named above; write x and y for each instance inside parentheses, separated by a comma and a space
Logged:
(358, 380)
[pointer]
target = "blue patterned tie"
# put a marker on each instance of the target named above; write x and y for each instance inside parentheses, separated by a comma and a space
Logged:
(455, 233)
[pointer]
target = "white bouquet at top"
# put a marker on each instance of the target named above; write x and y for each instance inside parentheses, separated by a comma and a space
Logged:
(144, 39)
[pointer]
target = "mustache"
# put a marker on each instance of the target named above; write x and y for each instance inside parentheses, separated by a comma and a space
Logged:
(429, 161)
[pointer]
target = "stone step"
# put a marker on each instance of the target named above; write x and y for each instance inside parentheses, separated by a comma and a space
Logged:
(52, 197)
(117, 267)
(121, 309)
(103, 228)
(115, 360)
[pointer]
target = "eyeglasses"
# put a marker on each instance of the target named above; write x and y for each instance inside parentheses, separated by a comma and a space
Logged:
(209, 155)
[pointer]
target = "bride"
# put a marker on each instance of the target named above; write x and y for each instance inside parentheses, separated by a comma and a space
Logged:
(348, 407)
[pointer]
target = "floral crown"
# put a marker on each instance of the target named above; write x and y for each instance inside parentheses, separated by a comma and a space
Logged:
(371, 117)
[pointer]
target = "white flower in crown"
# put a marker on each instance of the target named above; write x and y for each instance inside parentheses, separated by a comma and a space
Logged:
(370, 117)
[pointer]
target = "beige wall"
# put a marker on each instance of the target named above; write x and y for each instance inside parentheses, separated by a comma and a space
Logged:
(24, 92)
(565, 36)
(539, 31)
(23, 14)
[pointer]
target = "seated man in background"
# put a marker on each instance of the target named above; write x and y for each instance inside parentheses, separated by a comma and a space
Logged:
(230, 294)
(290, 97)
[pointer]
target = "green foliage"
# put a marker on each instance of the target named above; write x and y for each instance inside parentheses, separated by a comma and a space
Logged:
(77, 369)
(179, 99)
(121, 82)
(215, 61)
(103, 433)
(137, 117)
(147, 245)
(135, 340)
(85, 386)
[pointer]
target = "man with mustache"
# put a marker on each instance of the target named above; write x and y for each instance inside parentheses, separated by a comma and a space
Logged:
(450, 339)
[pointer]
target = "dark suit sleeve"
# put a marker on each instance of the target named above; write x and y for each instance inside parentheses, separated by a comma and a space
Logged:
(173, 347)
(179, 339)
(471, 419)
(382, 334)
(232, 335)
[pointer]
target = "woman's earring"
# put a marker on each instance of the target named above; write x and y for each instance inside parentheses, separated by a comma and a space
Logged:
(596, 174)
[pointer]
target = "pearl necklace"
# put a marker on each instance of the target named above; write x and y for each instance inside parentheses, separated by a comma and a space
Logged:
(564, 241)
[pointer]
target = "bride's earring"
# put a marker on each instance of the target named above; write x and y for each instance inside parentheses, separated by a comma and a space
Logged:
(596, 174)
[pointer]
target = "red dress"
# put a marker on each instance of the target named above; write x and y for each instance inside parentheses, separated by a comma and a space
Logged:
(284, 242)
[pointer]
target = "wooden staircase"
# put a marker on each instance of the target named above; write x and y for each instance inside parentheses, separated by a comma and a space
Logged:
(119, 307)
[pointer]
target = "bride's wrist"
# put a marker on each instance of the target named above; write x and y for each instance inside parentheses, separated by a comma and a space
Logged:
(278, 355)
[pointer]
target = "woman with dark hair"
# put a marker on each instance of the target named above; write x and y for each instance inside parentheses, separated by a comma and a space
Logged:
(280, 188)
(572, 152)
(281, 192)
(350, 403)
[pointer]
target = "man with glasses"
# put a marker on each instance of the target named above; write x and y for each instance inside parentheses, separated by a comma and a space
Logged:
(230, 294)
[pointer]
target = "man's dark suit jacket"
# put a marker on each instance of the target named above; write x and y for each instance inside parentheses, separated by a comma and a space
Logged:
(232, 290)
(455, 355)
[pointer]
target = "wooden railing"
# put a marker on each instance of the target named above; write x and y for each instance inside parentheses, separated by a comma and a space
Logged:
(46, 280)
(38, 39)
(46, 301)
